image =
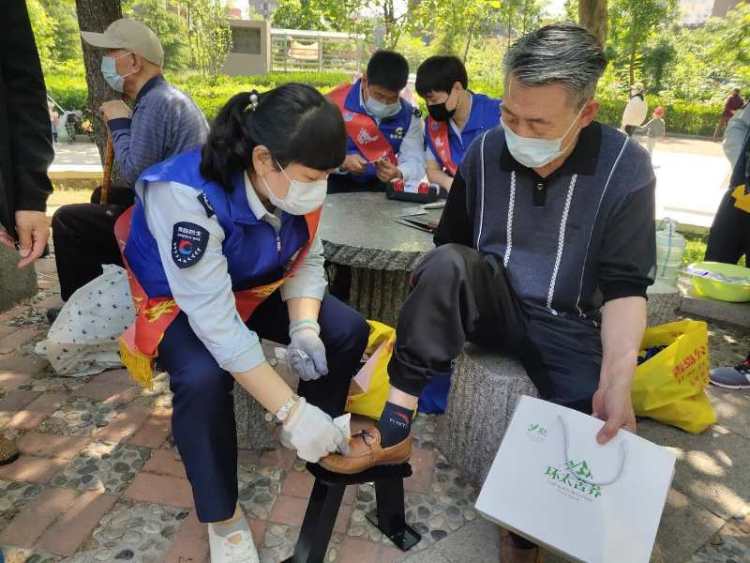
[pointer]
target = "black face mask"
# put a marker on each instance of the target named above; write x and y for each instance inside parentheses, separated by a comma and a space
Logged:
(439, 112)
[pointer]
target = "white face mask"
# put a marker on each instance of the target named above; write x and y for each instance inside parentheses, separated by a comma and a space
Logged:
(381, 110)
(302, 197)
(535, 153)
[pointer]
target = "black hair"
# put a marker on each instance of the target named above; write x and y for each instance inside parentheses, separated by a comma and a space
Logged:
(294, 121)
(439, 74)
(388, 69)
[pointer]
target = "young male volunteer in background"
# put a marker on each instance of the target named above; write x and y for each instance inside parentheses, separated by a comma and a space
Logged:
(163, 122)
(384, 131)
(545, 250)
(457, 116)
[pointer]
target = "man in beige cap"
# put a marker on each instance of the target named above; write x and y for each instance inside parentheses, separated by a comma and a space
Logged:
(163, 122)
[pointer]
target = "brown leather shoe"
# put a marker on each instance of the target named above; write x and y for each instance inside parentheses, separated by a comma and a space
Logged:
(8, 451)
(511, 553)
(365, 452)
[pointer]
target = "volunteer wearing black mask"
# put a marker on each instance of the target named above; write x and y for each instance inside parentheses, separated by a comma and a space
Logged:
(456, 115)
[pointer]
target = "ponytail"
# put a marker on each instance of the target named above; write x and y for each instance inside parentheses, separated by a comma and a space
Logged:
(294, 121)
(230, 145)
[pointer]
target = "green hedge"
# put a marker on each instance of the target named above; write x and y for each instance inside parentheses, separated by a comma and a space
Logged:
(69, 89)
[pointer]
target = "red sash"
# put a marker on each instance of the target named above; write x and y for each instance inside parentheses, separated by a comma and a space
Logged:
(438, 132)
(139, 343)
(364, 132)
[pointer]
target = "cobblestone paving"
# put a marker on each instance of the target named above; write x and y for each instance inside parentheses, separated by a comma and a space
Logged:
(99, 479)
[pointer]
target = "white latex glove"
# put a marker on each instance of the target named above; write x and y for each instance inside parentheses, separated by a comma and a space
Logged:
(312, 433)
(306, 352)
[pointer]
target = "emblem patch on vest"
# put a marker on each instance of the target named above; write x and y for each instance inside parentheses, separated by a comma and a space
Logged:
(189, 243)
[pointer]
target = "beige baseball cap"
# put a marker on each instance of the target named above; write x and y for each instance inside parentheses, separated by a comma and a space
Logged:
(131, 35)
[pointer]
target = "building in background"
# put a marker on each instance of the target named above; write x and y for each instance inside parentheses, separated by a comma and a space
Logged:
(696, 12)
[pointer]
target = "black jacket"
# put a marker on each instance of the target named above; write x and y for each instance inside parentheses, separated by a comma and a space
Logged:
(25, 131)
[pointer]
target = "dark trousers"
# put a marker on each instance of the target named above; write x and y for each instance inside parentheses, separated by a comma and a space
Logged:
(203, 422)
(84, 238)
(459, 294)
(729, 238)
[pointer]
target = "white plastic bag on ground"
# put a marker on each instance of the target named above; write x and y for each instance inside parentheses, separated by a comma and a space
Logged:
(83, 339)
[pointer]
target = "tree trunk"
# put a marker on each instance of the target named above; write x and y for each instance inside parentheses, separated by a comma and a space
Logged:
(96, 15)
(592, 14)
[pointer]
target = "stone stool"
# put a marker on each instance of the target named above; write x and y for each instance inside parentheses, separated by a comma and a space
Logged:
(15, 284)
(663, 302)
(484, 391)
(255, 429)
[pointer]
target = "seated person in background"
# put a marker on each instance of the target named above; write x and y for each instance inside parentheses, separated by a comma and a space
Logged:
(545, 249)
(384, 131)
(164, 122)
(729, 239)
(457, 116)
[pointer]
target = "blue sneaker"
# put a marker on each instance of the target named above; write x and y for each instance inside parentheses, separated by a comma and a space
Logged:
(737, 377)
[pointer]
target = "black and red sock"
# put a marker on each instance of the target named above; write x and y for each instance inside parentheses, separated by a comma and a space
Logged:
(394, 424)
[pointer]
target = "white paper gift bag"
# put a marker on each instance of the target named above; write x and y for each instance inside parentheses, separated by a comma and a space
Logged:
(552, 483)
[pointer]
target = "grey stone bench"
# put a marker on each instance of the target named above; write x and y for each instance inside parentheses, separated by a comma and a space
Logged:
(485, 388)
(15, 284)
(254, 429)
(484, 391)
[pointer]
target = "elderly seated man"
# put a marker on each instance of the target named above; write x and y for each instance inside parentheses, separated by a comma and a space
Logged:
(164, 122)
(545, 250)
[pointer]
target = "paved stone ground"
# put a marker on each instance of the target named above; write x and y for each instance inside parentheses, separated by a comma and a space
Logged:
(100, 480)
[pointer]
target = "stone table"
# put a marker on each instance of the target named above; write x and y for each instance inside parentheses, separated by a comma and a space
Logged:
(359, 231)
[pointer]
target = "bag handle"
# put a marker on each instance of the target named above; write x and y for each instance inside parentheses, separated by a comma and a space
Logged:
(620, 468)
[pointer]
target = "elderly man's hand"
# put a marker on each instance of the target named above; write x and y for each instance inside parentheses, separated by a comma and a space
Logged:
(115, 109)
(386, 171)
(612, 403)
(33, 233)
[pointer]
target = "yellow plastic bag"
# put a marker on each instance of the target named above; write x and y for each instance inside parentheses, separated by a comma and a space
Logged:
(670, 387)
(372, 379)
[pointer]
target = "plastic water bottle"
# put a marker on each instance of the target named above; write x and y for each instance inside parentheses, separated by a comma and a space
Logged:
(670, 248)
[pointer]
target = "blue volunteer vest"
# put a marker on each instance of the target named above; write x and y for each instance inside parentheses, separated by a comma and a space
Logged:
(393, 129)
(484, 115)
(250, 245)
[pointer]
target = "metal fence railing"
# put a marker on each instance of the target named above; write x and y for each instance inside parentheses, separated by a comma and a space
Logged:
(294, 49)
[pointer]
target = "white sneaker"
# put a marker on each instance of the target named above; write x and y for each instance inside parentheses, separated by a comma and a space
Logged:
(237, 547)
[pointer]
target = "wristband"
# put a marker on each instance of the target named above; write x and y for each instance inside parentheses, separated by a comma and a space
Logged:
(283, 413)
(295, 326)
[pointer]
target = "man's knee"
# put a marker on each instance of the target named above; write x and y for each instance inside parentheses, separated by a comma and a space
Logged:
(63, 217)
(446, 262)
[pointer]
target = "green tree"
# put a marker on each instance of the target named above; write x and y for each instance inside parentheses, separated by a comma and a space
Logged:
(592, 14)
(44, 32)
(455, 23)
(656, 60)
(323, 15)
(632, 23)
(66, 42)
(166, 24)
(208, 33)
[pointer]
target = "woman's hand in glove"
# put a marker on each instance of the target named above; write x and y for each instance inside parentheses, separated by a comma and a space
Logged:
(306, 353)
(312, 433)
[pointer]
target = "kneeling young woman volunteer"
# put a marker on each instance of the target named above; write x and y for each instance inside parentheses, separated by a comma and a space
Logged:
(223, 245)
